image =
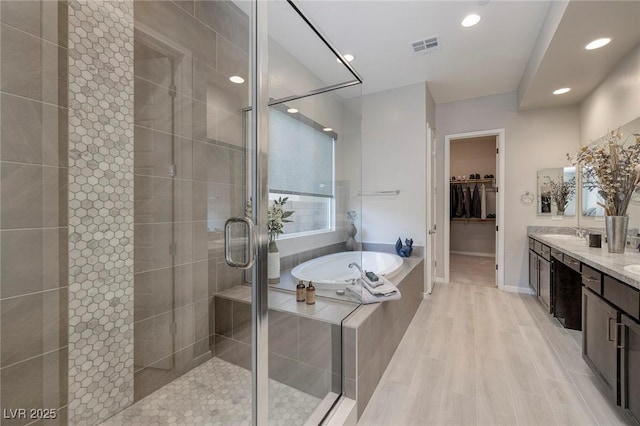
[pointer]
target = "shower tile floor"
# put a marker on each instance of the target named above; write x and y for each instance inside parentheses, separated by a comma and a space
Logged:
(215, 393)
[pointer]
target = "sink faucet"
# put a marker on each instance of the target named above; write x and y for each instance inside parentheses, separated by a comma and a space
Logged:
(580, 233)
(351, 265)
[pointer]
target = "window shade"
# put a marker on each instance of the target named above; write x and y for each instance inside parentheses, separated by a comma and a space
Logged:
(300, 157)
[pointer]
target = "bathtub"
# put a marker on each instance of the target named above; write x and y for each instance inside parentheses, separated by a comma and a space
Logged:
(333, 272)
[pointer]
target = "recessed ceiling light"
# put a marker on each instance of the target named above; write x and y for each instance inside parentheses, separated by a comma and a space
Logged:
(349, 57)
(470, 20)
(561, 91)
(596, 44)
(292, 110)
(236, 79)
(327, 129)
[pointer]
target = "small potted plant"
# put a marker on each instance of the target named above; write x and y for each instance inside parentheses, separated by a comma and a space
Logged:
(613, 168)
(277, 217)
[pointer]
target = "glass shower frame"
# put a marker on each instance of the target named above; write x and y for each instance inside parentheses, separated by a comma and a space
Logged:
(259, 151)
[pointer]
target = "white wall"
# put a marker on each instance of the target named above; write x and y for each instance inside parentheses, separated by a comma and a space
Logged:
(534, 139)
(394, 157)
(615, 102)
(431, 107)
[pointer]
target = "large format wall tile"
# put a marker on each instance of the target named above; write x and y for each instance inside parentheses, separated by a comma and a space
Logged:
(45, 19)
(36, 382)
(32, 67)
(225, 19)
(33, 201)
(33, 260)
(32, 325)
(33, 196)
(155, 152)
(162, 290)
(32, 132)
(101, 229)
(181, 28)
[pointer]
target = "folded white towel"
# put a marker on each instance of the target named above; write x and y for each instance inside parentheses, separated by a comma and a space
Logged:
(373, 284)
(359, 293)
(385, 288)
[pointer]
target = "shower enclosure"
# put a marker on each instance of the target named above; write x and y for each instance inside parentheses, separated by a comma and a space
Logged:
(141, 145)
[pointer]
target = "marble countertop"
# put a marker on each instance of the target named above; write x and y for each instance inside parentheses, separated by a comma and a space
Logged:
(611, 264)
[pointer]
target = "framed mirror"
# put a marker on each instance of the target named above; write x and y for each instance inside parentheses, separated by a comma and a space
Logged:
(557, 192)
(592, 214)
(591, 200)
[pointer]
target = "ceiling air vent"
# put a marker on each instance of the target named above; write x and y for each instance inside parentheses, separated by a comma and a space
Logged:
(426, 45)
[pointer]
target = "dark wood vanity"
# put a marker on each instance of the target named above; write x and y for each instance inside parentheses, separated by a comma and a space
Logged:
(606, 309)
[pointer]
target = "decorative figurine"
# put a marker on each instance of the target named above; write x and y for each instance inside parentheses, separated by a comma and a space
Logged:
(404, 251)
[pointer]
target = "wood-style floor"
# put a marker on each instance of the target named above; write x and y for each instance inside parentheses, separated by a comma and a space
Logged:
(474, 355)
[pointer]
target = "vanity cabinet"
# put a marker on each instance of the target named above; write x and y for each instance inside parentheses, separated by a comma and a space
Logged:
(567, 290)
(544, 282)
(608, 311)
(533, 271)
(630, 367)
(540, 271)
(600, 339)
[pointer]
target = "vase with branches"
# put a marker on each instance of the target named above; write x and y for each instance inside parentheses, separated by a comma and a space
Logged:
(612, 167)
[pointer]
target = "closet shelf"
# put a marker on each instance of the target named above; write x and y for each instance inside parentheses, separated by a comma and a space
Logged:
(472, 219)
(468, 181)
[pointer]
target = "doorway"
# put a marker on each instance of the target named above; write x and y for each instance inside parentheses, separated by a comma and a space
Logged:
(473, 238)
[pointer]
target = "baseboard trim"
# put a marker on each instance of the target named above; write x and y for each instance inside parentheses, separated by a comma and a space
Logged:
(517, 289)
(473, 253)
(440, 280)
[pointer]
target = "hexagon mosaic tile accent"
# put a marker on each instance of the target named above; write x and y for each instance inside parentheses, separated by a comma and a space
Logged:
(100, 209)
(216, 393)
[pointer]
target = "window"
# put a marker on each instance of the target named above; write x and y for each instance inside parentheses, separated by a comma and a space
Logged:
(301, 167)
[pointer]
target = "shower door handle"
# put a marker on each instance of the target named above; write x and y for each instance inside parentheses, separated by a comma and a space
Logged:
(227, 243)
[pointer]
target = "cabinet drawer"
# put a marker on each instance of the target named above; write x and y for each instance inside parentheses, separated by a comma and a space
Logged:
(572, 263)
(537, 247)
(592, 279)
(622, 296)
(532, 243)
(557, 254)
(546, 253)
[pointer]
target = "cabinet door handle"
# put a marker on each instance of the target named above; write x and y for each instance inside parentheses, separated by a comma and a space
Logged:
(609, 330)
(621, 343)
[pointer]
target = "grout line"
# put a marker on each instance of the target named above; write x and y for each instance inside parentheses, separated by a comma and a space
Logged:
(177, 308)
(66, 108)
(51, 166)
(35, 356)
(60, 228)
(34, 293)
(177, 265)
(39, 37)
(186, 139)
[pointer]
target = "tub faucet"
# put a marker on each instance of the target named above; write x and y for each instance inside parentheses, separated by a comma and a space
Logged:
(351, 265)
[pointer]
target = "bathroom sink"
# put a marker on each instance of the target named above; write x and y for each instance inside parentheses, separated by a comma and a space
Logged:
(561, 236)
(634, 269)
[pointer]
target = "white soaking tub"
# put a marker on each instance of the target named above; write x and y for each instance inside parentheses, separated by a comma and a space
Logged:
(333, 272)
